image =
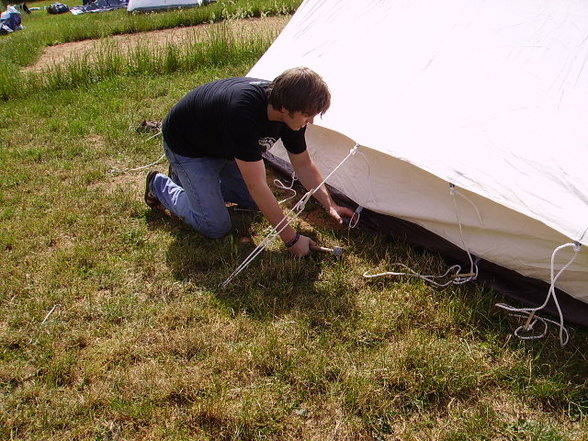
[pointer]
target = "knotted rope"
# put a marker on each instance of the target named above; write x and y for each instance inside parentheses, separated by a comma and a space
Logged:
(531, 313)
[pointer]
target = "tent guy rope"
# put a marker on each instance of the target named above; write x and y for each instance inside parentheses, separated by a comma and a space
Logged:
(284, 222)
(143, 167)
(531, 313)
(453, 275)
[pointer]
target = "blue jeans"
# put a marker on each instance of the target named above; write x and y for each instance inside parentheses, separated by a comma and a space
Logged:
(202, 187)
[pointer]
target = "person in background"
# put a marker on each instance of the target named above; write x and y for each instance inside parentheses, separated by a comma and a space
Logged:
(214, 138)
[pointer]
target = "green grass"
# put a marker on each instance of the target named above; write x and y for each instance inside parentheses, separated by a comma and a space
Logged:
(20, 49)
(113, 325)
(222, 47)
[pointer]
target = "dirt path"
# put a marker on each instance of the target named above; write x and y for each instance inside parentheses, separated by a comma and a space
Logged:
(53, 55)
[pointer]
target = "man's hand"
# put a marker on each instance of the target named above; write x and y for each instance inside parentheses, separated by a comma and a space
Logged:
(310, 176)
(302, 247)
(338, 212)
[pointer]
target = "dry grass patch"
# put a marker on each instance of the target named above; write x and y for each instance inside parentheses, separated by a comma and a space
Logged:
(56, 55)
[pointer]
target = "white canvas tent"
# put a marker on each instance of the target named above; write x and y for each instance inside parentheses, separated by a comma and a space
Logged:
(490, 96)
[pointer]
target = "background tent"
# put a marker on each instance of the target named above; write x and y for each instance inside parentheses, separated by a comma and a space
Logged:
(98, 6)
(153, 5)
(491, 97)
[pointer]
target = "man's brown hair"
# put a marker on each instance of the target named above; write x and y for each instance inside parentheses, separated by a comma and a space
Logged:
(300, 89)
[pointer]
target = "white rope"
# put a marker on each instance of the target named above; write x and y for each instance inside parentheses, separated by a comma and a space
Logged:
(274, 232)
(279, 184)
(453, 191)
(49, 313)
(531, 313)
(355, 217)
(455, 278)
(284, 222)
(143, 167)
(453, 273)
(473, 274)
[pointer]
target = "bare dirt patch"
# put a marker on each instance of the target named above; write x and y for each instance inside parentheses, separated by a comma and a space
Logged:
(55, 55)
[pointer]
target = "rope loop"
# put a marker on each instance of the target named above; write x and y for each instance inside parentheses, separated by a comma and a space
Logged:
(279, 184)
(531, 313)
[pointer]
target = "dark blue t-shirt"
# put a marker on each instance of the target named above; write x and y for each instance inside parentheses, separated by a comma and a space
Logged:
(227, 119)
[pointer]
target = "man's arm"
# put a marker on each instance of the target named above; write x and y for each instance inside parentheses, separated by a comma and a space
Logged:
(255, 177)
(310, 177)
